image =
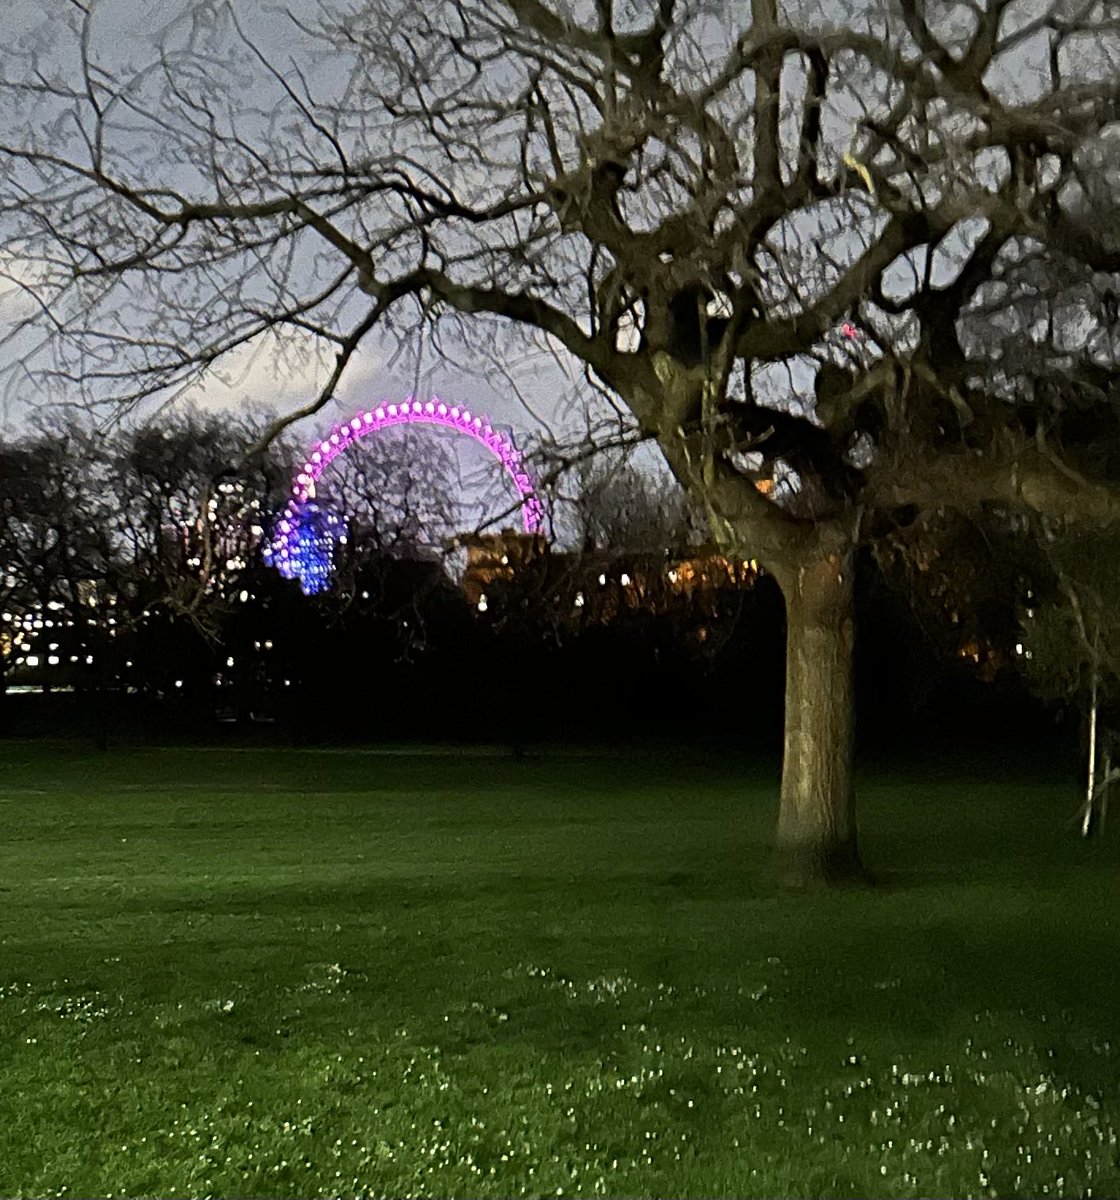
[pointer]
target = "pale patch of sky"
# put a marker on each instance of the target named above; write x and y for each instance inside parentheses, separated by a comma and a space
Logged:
(18, 280)
(532, 394)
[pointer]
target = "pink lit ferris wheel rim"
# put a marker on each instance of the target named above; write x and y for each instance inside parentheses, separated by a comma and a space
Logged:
(413, 412)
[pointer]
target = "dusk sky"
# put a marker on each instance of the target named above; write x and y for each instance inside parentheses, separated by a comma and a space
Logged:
(529, 391)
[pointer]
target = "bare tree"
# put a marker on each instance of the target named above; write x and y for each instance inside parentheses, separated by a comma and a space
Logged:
(185, 521)
(619, 506)
(56, 551)
(700, 204)
(398, 494)
(1070, 651)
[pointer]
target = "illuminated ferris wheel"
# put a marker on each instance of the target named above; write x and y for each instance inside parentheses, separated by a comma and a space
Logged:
(306, 532)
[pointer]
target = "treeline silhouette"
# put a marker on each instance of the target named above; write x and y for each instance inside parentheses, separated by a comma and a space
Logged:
(135, 604)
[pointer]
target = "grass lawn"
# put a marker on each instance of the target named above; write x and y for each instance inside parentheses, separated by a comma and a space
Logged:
(274, 973)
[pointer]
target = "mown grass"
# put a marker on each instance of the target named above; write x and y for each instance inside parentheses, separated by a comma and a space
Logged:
(305, 974)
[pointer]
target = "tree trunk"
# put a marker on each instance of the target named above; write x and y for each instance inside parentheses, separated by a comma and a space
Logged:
(816, 820)
(1091, 781)
(1106, 783)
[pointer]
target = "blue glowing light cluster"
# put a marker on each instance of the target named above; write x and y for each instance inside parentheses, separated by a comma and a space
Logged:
(310, 532)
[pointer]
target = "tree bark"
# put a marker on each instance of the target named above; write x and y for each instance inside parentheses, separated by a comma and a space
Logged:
(816, 820)
(1091, 781)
